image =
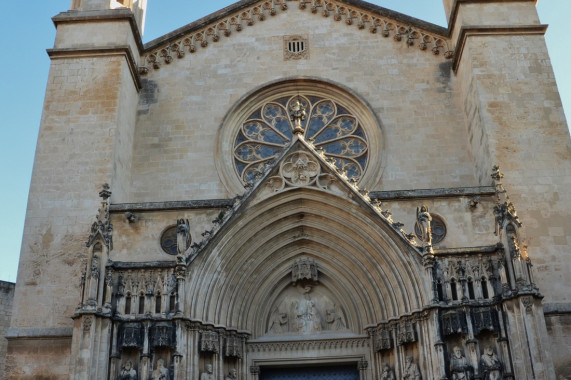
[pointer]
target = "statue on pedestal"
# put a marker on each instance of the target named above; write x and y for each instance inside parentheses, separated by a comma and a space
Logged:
(459, 366)
(490, 364)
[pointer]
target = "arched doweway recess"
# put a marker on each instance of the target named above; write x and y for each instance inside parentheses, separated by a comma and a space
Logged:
(372, 271)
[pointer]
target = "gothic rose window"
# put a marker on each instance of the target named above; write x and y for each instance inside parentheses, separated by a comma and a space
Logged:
(328, 125)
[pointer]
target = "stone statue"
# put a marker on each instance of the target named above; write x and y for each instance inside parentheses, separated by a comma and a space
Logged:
(423, 219)
(161, 372)
(182, 235)
(459, 366)
(411, 370)
(128, 372)
(232, 374)
(208, 375)
(279, 322)
(387, 373)
(333, 318)
(307, 316)
(491, 365)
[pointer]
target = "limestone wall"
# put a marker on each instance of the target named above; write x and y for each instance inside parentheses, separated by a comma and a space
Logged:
(515, 119)
(412, 92)
(6, 300)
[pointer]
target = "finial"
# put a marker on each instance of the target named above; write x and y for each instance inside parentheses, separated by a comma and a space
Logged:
(105, 193)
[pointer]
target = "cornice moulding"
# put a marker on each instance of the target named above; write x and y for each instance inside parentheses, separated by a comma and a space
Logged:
(458, 3)
(101, 51)
(103, 15)
(234, 18)
(492, 30)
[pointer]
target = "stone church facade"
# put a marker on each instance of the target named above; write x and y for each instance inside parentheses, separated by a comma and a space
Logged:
(298, 189)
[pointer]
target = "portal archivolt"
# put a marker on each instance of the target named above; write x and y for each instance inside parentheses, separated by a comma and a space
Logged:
(366, 273)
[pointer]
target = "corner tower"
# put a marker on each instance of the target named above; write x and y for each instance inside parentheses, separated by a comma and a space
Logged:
(85, 140)
(515, 118)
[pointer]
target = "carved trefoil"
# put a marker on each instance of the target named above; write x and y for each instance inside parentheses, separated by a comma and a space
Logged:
(454, 322)
(209, 341)
(383, 339)
(406, 332)
(304, 270)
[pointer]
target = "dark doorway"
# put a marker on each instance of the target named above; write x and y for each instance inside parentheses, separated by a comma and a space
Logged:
(346, 372)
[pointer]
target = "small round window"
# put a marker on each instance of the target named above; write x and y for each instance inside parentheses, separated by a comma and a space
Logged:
(168, 241)
(437, 227)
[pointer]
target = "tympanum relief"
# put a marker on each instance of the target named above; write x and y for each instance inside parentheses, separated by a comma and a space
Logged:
(306, 309)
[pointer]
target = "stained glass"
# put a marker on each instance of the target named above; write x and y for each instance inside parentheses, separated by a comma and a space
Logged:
(329, 125)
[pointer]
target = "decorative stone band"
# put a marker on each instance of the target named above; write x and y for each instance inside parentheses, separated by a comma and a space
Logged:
(302, 345)
(202, 32)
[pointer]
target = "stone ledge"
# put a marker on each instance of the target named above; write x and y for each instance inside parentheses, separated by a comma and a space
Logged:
(39, 332)
(432, 193)
(381, 195)
(557, 308)
(468, 250)
(142, 265)
(171, 205)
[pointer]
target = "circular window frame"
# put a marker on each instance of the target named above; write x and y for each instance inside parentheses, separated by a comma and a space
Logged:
(244, 107)
(169, 229)
(436, 239)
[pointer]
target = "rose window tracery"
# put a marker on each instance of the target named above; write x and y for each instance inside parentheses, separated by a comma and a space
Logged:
(326, 123)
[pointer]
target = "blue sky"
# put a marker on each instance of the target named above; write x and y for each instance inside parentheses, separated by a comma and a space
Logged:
(27, 31)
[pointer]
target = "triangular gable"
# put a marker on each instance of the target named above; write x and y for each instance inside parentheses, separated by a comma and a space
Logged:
(300, 165)
(367, 17)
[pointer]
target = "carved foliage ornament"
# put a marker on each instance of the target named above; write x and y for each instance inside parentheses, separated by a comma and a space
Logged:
(328, 125)
(485, 319)
(162, 335)
(406, 332)
(233, 346)
(131, 335)
(454, 322)
(209, 341)
(304, 269)
(383, 339)
(235, 22)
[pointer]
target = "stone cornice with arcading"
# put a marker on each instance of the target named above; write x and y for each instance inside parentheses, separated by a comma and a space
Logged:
(354, 13)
